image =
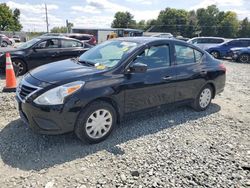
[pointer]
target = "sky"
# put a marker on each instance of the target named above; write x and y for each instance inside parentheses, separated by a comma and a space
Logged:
(100, 13)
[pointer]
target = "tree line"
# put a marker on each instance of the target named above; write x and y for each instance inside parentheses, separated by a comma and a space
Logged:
(9, 20)
(208, 21)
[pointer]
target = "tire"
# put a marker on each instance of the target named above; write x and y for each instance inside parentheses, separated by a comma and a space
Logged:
(204, 98)
(244, 58)
(215, 54)
(4, 44)
(90, 131)
(21, 65)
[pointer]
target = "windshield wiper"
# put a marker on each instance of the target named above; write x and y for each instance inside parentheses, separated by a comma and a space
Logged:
(84, 62)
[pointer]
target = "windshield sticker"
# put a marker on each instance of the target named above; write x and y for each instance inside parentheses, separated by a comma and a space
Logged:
(100, 67)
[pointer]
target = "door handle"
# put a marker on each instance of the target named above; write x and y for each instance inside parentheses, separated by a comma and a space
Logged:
(167, 78)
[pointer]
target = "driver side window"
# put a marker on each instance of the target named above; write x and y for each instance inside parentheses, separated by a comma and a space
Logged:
(41, 45)
(154, 57)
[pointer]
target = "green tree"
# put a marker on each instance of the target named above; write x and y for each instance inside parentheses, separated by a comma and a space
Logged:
(61, 29)
(123, 20)
(229, 25)
(208, 20)
(244, 30)
(192, 25)
(16, 16)
(173, 21)
(9, 21)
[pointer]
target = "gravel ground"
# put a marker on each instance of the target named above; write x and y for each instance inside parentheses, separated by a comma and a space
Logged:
(170, 148)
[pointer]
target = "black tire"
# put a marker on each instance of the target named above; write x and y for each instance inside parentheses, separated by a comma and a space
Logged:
(86, 114)
(244, 58)
(4, 44)
(21, 66)
(197, 104)
(215, 54)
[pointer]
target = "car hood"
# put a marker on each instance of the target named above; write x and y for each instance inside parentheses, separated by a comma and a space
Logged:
(63, 71)
(12, 51)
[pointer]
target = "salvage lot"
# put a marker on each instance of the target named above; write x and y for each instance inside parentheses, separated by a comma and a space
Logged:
(171, 148)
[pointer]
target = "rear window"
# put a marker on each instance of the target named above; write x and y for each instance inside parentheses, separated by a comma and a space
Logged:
(70, 44)
(80, 37)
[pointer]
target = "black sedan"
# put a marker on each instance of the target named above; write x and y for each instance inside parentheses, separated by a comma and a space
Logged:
(43, 50)
(91, 94)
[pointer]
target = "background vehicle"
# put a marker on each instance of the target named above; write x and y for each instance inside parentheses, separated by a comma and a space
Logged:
(90, 39)
(241, 55)
(6, 40)
(16, 38)
(223, 50)
(118, 77)
(206, 42)
(43, 50)
(163, 35)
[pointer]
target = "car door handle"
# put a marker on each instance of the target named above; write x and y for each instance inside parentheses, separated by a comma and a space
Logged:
(167, 78)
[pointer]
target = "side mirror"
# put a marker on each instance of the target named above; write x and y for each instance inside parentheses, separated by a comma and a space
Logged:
(138, 68)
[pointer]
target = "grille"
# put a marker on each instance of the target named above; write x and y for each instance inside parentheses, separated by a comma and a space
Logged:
(26, 91)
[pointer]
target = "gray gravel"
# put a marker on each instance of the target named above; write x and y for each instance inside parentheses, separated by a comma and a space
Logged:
(170, 148)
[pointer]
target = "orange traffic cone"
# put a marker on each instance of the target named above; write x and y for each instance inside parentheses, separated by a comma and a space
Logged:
(10, 76)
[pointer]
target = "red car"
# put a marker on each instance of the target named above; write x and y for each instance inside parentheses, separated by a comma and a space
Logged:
(87, 38)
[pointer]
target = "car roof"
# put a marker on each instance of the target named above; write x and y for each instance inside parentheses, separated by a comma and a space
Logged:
(145, 40)
(208, 38)
(57, 37)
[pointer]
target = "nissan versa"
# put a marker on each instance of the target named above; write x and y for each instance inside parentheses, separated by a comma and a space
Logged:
(91, 94)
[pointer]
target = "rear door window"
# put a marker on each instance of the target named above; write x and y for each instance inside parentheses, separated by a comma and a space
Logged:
(70, 44)
(187, 55)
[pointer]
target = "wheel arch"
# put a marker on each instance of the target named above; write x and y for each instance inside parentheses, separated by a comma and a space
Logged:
(110, 101)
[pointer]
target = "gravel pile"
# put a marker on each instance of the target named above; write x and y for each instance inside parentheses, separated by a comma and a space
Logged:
(170, 148)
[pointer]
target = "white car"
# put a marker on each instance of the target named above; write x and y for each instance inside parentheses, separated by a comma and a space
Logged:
(206, 42)
(163, 35)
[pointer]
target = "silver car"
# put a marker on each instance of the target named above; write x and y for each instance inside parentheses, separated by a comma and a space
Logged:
(206, 42)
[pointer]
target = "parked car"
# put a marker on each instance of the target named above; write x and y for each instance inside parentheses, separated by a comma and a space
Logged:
(16, 38)
(241, 55)
(90, 39)
(206, 42)
(43, 50)
(91, 94)
(223, 50)
(163, 35)
(6, 40)
(182, 38)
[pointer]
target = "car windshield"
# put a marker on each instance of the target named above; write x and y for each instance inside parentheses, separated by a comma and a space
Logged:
(107, 54)
(29, 43)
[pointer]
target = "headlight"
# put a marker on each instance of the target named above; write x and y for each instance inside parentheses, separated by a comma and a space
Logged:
(57, 95)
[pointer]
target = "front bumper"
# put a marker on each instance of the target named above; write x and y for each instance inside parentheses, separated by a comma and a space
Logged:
(50, 120)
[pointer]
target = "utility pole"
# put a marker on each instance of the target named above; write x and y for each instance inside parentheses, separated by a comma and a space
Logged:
(47, 21)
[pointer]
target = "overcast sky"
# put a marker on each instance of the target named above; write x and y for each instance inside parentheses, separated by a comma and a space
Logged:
(100, 13)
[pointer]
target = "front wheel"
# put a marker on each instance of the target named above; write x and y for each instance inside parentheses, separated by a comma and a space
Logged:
(203, 100)
(96, 122)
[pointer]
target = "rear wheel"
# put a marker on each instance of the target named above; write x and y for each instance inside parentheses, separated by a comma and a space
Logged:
(244, 58)
(4, 44)
(96, 122)
(21, 66)
(215, 54)
(203, 100)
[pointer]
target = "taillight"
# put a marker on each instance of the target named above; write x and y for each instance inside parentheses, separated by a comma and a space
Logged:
(223, 67)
